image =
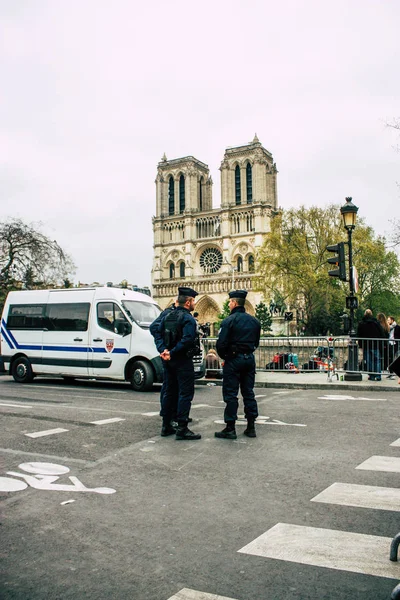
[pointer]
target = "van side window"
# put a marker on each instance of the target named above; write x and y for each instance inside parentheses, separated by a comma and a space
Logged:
(111, 317)
(67, 317)
(26, 316)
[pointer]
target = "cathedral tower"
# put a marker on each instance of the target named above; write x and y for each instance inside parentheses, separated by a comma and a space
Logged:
(212, 250)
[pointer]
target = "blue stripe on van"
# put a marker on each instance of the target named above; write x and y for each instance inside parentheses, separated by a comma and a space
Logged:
(12, 342)
(12, 338)
(5, 336)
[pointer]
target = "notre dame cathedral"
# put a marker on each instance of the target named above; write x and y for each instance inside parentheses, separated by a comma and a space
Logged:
(212, 249)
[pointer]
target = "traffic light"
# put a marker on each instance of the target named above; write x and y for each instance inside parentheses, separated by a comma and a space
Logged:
(339, 261)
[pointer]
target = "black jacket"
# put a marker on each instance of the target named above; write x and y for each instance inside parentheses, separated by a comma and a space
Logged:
(239, 333)
(369, 327)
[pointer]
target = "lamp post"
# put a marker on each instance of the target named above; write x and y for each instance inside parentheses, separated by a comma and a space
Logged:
(349, 216)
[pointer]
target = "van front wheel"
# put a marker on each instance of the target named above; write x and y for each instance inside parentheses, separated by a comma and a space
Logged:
(21, 370)
(142, 376)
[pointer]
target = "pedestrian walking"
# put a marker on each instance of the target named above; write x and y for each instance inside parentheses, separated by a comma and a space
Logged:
(238, 338)
(384, 344)
(369, 331)
(177, 344)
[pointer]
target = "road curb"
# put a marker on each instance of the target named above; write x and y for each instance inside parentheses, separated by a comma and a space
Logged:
(310, 386)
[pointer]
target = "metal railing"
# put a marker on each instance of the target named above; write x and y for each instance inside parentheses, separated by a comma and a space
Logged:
(312, 354)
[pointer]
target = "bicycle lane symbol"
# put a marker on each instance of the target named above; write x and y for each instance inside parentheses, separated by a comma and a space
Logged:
(42, 476)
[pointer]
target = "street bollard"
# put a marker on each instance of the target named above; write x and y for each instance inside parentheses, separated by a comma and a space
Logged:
(395, 595)
(394, 547)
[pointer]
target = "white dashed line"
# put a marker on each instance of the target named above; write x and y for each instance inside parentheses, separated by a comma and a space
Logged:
(37, 434)
(335, 397)
(15, 405)
(106, 421)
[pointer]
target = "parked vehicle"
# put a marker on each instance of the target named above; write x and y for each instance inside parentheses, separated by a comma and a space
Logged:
(96, 333)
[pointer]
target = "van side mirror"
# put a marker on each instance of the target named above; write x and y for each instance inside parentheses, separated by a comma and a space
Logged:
(127, 329)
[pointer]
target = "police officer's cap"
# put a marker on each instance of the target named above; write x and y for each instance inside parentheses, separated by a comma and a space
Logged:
(186, 291)
(238, 294)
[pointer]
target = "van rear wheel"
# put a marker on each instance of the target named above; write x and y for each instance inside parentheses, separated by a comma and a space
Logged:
(21, 370)
(142, 376)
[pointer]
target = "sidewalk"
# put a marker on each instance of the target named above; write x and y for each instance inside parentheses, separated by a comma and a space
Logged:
(283, 379)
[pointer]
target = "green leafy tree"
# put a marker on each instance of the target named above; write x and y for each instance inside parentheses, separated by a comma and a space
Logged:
(293, 262)
(378, 273)
(30, 259)
(264, 316)
(225, 313)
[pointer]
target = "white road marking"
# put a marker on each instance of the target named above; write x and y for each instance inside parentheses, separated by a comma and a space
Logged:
(44, 477)
(7, 484)
(390, 464)
(37, 434)
(364, 496)
(335, 397)
(333, 549)
(15, 405)
(260, 396)
(281, 392)
(201, 406)
(62, 388)
(151, 414)
(263, 421)
(187, 594)
(396, 443)
(106, 421)
(67, 502)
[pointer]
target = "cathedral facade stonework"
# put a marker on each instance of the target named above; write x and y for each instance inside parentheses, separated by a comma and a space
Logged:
(212, 249)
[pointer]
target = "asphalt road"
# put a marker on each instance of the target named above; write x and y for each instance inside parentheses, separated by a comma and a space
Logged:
(185, 515)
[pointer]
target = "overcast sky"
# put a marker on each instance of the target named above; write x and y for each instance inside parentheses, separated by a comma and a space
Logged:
(93, 92)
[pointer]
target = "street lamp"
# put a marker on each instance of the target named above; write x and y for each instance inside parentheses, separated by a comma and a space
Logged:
(349, 216)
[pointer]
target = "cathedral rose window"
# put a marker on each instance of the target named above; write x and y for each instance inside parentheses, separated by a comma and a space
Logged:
(211, 260)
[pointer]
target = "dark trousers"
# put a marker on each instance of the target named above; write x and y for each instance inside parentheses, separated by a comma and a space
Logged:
(178, 389)
(168, 404)
(373, 362)
(239, 371)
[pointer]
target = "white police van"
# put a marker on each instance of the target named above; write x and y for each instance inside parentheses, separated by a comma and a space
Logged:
(100, 333)
(96, 333)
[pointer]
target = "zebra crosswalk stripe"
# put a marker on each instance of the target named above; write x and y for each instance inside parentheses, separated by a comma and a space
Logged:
(333, 549)
(187, 594)
(362, 496)
(389, 464)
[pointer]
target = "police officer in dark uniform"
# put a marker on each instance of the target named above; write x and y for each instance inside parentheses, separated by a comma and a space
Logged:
(179, 334)
(238, 337)
(155, 330)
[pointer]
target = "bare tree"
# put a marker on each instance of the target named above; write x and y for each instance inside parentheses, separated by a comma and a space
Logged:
(30, 259)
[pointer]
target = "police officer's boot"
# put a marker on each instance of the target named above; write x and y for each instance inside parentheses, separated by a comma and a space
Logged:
(250, 430)
(229, 433)
(184, 433)
(167, 428)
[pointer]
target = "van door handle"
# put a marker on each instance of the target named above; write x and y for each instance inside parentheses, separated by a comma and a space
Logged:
(97, 340)
(78, 340)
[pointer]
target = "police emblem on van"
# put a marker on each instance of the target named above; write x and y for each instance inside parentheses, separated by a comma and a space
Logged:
(109, 345)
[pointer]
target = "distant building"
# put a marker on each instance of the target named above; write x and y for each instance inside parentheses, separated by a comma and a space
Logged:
(212, 250)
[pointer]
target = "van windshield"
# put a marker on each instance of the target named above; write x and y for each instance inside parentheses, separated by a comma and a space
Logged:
(143, 313)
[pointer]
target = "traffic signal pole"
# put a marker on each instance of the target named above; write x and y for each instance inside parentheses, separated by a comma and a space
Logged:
(353, 373)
